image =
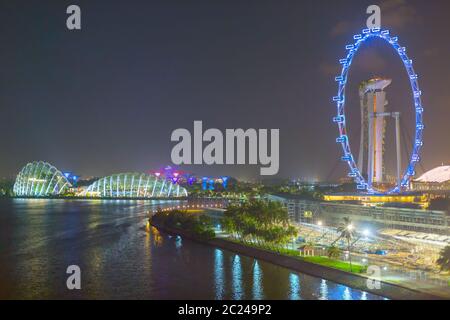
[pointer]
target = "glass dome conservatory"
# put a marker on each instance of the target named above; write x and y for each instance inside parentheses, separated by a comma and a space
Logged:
(134, 185)
(40, 179)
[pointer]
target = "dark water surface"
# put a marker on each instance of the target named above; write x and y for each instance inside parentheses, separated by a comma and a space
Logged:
(119, 259)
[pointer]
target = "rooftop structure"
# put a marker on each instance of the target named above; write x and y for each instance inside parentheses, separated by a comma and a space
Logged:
(134, 185)
(40, 179)
(440, 174)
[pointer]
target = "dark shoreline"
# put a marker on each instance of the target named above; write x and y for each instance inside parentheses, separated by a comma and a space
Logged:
(359, 282)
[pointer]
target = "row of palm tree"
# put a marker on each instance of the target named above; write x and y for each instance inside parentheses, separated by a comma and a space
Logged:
(261, 222)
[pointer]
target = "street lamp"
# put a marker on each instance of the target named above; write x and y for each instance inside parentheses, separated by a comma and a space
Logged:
(350, 227)
(319, 223)
(366, 233)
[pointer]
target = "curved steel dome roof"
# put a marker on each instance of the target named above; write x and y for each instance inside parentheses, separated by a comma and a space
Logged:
(439, 174)
(40, 179)
(134, 185)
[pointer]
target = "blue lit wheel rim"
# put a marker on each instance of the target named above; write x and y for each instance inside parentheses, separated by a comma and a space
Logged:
(340, 103)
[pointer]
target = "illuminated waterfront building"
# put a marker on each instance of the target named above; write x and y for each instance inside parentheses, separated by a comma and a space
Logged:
(420, 199)
(134, 185)
(40, 179)
(376, 217)
(437, 179)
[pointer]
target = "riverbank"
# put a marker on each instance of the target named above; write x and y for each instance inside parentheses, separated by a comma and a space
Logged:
(388, 290)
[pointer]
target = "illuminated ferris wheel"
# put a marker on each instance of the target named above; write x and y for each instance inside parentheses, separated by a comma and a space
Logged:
(375, 117)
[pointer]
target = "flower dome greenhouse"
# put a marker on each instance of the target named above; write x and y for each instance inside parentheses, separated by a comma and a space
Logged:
(134, 185)
(40, 179)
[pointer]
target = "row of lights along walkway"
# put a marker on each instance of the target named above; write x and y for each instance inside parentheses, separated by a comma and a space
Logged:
(193, 206)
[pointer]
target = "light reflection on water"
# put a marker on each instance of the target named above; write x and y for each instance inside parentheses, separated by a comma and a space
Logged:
(237, 278)
(347, 295)
(364, 296)
(121, 257)
(294, 281)
(257, 282)
(323, 290)
(219, 274)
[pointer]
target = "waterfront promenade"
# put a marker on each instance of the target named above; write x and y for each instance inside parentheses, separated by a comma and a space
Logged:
(387, 289)
(395, 269)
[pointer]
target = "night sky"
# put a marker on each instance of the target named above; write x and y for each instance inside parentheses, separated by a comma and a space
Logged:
(106, 99)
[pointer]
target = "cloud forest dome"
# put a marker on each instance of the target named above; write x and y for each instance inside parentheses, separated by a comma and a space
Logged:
(134, 185)
(40, 179)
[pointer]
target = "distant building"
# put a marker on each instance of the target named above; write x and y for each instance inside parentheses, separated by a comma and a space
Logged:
(420, 199)
(40, 179)
(307, 251)
(134, 185)
(332, 214)
(437, 179)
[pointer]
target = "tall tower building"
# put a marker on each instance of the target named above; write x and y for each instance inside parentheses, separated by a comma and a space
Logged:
(373, 128)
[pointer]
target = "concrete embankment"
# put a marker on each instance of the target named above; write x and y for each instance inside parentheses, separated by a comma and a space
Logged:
(360, 282)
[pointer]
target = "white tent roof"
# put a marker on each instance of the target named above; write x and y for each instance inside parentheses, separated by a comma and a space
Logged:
(439, 174)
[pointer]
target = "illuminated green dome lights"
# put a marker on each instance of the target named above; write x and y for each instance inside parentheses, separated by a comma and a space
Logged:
(134, 185)
(40, 179)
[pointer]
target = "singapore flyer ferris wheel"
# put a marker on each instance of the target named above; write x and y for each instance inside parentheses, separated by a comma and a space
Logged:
(367, 170)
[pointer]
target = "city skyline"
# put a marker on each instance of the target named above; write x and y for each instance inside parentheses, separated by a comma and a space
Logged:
(106, 99)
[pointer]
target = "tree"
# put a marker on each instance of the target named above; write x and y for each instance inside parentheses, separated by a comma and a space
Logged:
(198, 224)
(333, 252)
(444, 259)
(259, 220)
(347, 232)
